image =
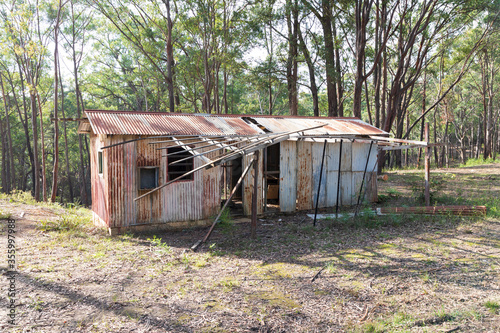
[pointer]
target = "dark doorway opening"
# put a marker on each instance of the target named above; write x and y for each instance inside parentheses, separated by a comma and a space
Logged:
(272, 177)
(233, 172)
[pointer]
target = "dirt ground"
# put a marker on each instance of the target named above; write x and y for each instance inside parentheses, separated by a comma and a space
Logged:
(395, 273)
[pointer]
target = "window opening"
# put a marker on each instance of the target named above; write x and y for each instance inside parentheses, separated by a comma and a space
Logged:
(99, 157)
(178, 169)
(148, 178)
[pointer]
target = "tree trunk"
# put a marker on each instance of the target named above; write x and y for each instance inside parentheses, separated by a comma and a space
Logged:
(292, 66)
(25, 120)
(312, 76)
(66, 150)
(339, 89)
(170, 59)
(424, 106)
(42, 142)
(34, 130)
(326, 23)
(488, 134)
(55, 169)
(11, 175)
(79, 104)
(3, 148)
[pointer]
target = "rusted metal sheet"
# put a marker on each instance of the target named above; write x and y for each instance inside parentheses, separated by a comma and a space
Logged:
(248, 186)
(334, 126)
(346, 161)
(304, 175)
(149, 210)
(155, 123)
(288, 176)
(317, 154)
(332, 168)
(114, 191)
(99, 186)
(182, 201)
(346, 192)
(359, 156)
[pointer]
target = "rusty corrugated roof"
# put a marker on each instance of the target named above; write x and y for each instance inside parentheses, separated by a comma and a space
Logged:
(155, 123)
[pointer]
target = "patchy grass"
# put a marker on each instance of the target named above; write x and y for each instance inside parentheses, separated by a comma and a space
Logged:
(472, 162)
(395, 273)
(492, 306)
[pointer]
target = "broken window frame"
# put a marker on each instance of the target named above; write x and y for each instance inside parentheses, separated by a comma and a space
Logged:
(178, 169)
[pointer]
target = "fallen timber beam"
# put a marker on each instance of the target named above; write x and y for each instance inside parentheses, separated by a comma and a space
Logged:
(212, 143)
(235, 188)
(437, 210)
(225, 139)
(190, 143)
(221, 144)
(151, 137)
(231, 156)
(228, 147)
(412, 142)
(185, 146)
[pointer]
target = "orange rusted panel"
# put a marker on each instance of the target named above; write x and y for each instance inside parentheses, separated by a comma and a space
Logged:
(304, 176)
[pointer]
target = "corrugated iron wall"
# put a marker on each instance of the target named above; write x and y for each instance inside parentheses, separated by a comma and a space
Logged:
(113, 193)
(185, 200)
(300, 171)
(248, 185)
(99, 185)
(288, 176)
(304, 183)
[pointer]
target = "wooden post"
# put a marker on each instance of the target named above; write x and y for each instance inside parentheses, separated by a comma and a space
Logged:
(427, 166)
(235, 188)
(254, 194)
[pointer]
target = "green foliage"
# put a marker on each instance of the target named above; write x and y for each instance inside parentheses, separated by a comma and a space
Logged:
(71, 221)
(492, 306)
(156, 245)
(472, 162)
(226, 223)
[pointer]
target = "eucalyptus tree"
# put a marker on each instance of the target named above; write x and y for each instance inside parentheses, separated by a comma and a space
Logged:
(324, 13)
(149, 29)
(27, 39)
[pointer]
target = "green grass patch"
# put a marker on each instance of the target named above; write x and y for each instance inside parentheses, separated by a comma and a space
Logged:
(471, 162)
(492, 306)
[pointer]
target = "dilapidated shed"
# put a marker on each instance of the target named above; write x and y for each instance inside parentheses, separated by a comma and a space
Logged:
(163, 170)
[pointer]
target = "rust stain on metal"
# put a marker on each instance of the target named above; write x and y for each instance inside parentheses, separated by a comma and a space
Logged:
(114, 191)
(304, 176)
(155, 123)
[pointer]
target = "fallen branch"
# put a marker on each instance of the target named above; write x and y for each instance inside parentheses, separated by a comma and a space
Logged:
(317, 274)
(453, 210)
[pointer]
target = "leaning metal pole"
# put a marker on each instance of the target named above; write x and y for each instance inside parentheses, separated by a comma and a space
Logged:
(319, 184)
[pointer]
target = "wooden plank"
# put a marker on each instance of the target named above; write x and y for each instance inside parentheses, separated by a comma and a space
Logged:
(288, 176)
(304, 176)
(412, 142)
